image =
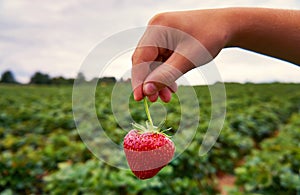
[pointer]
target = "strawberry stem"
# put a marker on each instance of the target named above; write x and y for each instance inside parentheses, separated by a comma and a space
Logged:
(148, 113)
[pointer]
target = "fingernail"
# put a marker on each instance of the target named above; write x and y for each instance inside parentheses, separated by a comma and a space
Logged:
(149, 89)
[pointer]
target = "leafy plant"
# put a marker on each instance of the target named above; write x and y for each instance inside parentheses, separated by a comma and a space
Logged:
(41, 151)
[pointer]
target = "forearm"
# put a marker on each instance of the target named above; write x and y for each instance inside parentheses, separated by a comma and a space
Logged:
(272, 32)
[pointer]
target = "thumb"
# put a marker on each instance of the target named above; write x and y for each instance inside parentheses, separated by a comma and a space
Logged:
(166, 74)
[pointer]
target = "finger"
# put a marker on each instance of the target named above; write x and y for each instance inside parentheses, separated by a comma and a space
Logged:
(141, 59)
(138, 94)
(144, 54)
(166, 74)
(165, 94)
(153, 98)
(151, 88)
(141, 70)
(164, 54)
(173, 87)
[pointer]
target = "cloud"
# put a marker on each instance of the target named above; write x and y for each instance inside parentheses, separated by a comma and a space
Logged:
(55, 36)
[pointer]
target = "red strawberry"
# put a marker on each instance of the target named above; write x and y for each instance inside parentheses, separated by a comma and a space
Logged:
(147, 149)
(147, 152)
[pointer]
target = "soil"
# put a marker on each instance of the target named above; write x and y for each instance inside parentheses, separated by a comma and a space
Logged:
(225, 180)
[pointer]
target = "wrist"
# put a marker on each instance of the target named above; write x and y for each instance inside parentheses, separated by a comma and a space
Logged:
(235, 20)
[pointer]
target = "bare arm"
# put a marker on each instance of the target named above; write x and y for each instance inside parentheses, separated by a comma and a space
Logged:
(272, 32)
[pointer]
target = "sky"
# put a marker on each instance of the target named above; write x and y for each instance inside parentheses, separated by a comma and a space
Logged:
(55, 37)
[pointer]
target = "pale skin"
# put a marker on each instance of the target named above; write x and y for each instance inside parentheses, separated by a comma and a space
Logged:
(271, 32)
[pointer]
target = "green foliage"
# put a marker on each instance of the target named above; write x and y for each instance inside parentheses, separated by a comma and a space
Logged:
(37, 132)
(276, 167)
(230, 145)
(257, 121)
(94, 177)
(40, 78)
(42, 153)
(8, 77)
(61, 81)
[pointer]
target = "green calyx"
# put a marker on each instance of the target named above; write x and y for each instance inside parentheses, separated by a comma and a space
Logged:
(149, 123)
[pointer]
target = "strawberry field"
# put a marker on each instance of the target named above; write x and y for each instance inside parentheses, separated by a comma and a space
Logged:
(259, 145)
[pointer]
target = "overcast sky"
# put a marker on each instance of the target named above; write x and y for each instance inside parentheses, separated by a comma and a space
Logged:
(55, 36)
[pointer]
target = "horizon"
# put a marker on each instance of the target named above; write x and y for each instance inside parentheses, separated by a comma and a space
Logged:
(126, 80)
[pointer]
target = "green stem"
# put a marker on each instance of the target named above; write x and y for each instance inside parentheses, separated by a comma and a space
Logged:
(148, 112)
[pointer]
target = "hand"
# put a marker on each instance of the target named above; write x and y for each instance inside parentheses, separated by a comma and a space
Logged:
(173, 44)
(177, 42)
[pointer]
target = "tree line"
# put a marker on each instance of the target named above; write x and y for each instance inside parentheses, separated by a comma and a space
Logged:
(40, 78)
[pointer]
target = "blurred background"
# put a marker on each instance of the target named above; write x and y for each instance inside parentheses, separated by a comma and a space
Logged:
(42, 46)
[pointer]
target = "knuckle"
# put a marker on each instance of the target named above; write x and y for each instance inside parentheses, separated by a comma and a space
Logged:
(160, 19)
(144, 54)
(137, 55)
(134, 58)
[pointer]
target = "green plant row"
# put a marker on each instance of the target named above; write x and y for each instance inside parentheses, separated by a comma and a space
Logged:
(42, 153)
